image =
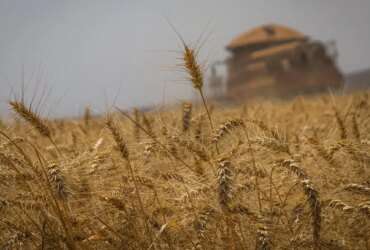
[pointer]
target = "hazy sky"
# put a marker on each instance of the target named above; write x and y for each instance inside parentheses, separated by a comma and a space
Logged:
(87, 51)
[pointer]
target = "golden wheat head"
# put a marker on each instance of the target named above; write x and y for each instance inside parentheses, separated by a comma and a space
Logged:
(31, 117)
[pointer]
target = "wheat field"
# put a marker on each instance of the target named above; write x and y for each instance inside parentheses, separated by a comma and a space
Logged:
(264, 175)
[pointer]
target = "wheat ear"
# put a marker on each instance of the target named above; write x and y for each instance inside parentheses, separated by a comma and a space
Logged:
(186, 116)
(28, 115)
(224, 180)
(195, 72)
(312, 196)
(35, 120)
(121, 144)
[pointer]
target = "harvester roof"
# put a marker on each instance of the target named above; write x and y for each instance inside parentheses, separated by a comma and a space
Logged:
(265, 34)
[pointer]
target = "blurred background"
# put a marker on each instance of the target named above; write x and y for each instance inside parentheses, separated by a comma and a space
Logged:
(74, 53)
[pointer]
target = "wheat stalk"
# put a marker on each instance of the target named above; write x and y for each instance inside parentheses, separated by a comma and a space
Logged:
(314, 202)
(341, 125)
(136, 128)
(148, 126)
(87, 116)
(355, 127)
(121, 144)
(312, 196)
(195, 73)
